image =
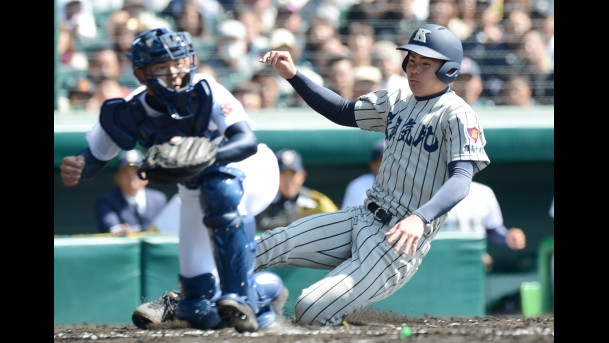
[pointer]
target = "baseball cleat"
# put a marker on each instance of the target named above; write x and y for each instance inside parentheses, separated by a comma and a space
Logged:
(237, 314)
(156, 312)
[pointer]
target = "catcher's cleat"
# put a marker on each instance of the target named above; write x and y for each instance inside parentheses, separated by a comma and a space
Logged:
(156, 312)
(237, 313)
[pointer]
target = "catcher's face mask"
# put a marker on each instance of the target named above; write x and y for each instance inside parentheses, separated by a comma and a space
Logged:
(168, 61)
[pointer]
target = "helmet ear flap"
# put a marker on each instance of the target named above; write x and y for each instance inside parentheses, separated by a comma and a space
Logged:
(448, 72)
(405, 62)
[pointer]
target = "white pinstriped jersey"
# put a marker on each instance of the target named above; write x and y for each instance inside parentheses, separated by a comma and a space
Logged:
(422, 137)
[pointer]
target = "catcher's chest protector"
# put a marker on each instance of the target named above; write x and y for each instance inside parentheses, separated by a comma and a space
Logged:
(127, 122)
(156, 130)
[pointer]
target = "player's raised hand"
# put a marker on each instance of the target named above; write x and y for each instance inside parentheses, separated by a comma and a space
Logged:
(71, 169)
(406, 233)
(281, 61)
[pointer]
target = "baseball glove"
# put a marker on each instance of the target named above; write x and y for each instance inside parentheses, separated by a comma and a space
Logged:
(177, 160)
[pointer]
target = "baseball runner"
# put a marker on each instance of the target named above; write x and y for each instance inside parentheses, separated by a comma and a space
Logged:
(217, 284)
(434, 142)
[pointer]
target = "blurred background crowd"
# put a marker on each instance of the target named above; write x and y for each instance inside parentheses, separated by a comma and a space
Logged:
(347, 45)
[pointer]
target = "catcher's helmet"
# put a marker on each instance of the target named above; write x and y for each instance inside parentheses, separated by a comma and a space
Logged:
(162, 45)
(436, 41)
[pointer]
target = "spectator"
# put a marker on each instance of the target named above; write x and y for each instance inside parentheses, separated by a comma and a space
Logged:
(446, 13)
(104, 64)
(517, 92)
(355, 193)
(79, 95)
(479, 213)
(289, 18)
(123, 26)
(257, 42)
(189, 16)
(130, 206)
(388, 59)
(486, 45)
(77, 17)
(407, 23)
(367, 79)
(380, 14)
(230, 59)
(320, 30)
(249, 94)
(517, 23)
(469, 84)
(267, 11)
(339, 76)
(269, 84)
(293, 200)
(283, 39)
(360, 40)
(538, 66)
(107, 89)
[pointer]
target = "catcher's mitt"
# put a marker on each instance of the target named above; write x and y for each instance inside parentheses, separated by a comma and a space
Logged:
(177, 160)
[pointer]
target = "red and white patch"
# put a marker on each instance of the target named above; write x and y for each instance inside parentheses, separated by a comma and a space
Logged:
(474, 133)
(227, 108)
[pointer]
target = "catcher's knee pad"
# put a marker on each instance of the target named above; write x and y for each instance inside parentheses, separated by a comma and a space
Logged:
(198, 303)
(267, 287)
(221, 191)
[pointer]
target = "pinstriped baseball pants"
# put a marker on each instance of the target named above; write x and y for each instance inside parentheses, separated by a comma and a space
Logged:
(351, 244)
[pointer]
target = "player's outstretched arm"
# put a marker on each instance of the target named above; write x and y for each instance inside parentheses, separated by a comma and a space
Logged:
(281, 61)
(71, 169)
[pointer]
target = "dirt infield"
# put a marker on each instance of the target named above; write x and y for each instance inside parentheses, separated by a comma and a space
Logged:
(366, 326)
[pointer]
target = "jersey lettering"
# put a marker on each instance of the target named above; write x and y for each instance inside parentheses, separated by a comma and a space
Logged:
(421, 36)
(426, 135)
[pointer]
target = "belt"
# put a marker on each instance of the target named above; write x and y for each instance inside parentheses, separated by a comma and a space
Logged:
(380, 213)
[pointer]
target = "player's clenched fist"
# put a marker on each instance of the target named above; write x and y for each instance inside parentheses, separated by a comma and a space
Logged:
(71, 169)
(281, 61)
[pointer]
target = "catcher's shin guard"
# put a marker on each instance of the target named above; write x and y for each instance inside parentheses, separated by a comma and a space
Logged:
(221, 192)
(198, 303)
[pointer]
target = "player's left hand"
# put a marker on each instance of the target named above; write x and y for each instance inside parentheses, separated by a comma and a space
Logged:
(407, 233)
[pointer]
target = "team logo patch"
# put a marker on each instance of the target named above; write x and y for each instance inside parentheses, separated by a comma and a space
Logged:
(474, 133)
(227, 108)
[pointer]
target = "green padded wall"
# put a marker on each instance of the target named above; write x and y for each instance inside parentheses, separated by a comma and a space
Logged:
(102, 280)
(96, 280)
(160, 265)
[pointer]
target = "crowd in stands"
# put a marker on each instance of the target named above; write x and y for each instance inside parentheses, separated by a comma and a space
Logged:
(347, 45)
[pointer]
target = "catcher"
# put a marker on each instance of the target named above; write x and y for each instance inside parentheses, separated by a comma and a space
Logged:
(174, 116)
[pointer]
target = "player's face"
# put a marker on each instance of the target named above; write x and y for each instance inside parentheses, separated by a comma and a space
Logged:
(421, 73)
(290, 182)
(172, 73)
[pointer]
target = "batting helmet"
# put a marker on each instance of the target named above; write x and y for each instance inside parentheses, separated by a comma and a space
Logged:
(436, 41)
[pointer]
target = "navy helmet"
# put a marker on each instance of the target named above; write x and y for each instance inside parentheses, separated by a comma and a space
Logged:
(162, 45)
(436, 41)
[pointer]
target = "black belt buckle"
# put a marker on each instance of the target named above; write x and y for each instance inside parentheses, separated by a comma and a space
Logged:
(380, 213)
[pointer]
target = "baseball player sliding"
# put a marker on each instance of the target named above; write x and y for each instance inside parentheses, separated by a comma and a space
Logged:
(434, 142)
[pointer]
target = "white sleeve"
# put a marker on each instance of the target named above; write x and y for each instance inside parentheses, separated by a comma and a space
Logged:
(101, 145)
(226, 109)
